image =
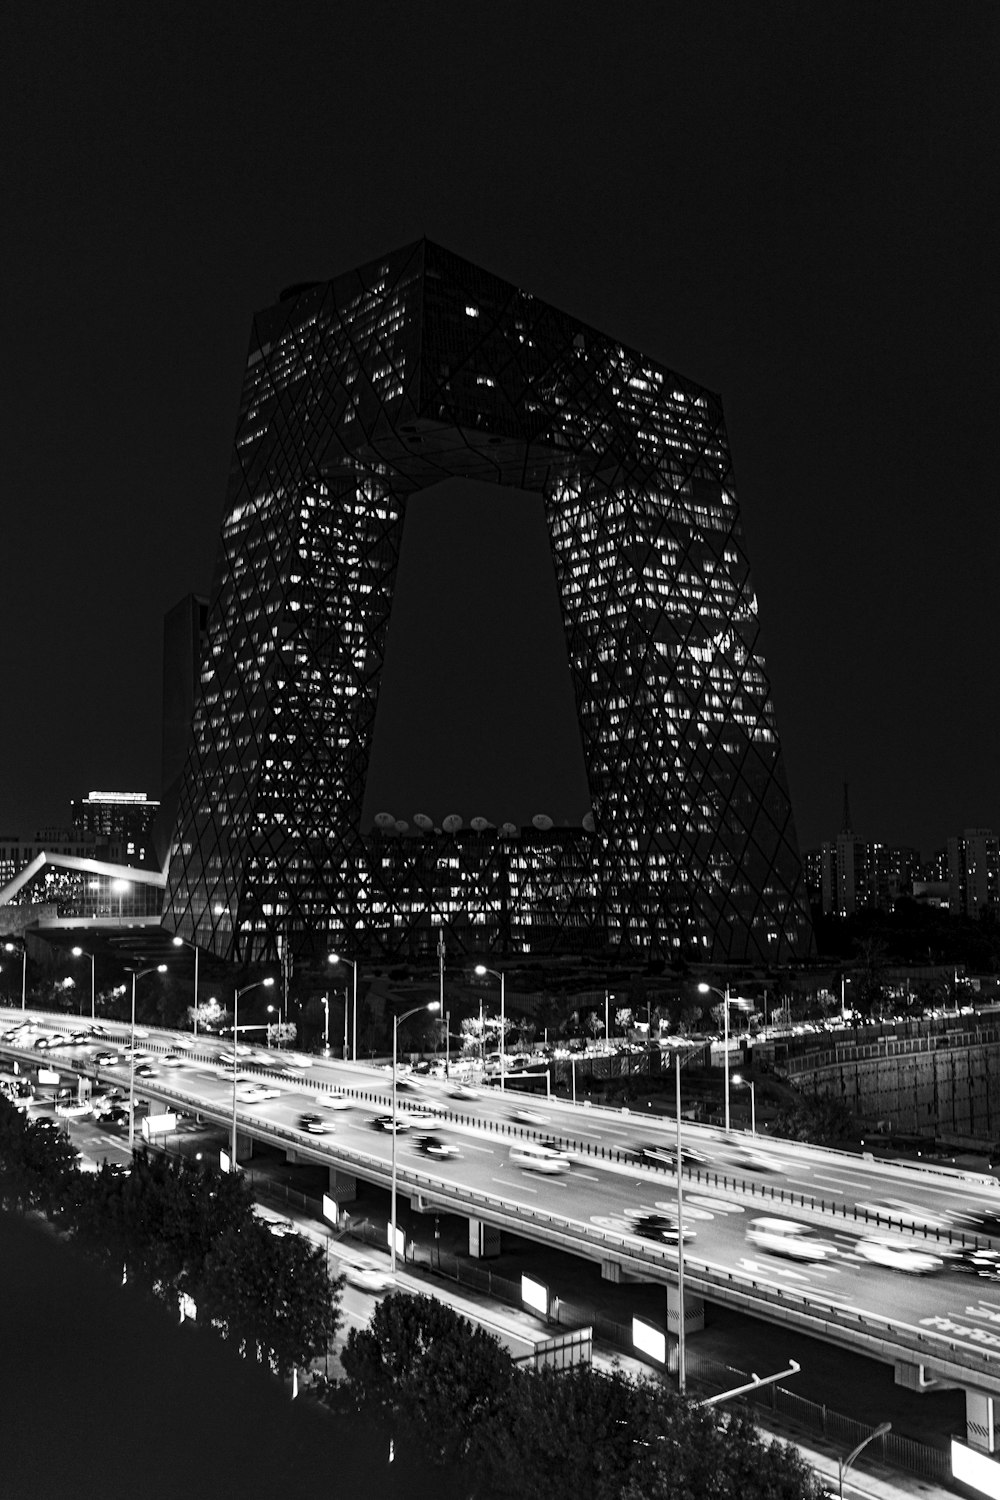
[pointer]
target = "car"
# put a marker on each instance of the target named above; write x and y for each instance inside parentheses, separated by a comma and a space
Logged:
(106, 1059)
(530, 1117)
(296, 1060)
(386, 1122)
(145, 1070)
(46, 1122)
(315, 1124)
(407, 1081)
(434, 1145)
(367, 1275)
(462, 1091)
(274, 1224)
(421, 1108)
(333, 1101)
(186, 1043)
(171, 1060)
(978, 1262)
(256, 1093)
(532, 1157)
(789, 1238)
(664, 1154)
(899, 1254)
(660, 1227)
(904, 1212)
(116, 1115)
(560, 1149)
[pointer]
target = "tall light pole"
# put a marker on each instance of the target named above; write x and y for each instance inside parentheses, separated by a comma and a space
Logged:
(180, 942)
(335, 958)
(12, 948)
(136, 974)
(681, 1370)
(433, 1005)
(259, 985)
(706, 989)
(82, 953)
(844, 1464)
(748, 1083)
(480, 970)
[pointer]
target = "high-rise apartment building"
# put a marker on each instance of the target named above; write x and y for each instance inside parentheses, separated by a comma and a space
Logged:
(385, 415)
(973, 872)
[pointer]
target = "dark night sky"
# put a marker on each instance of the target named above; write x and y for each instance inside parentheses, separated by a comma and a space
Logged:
(794, 204)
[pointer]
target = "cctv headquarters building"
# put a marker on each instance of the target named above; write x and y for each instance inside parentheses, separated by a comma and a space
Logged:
(482, 660)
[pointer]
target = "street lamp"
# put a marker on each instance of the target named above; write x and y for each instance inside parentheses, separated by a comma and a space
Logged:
(481, 969)
(180, 942)
(433, 1005)
(136, 974)
(82, 953)
(845, 1463)
(335, 958)
(727, 999)
(747, 1083)
(259, 985)
(12, 948)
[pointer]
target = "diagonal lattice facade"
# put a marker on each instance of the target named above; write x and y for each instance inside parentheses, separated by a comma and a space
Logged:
(359, 393)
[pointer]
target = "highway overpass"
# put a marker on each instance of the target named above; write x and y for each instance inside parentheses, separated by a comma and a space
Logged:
(934, 1329)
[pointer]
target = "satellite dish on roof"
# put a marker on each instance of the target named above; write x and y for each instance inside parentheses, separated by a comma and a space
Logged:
(402, 826)
(479, 824)
(385, 820)
(588, 822)
(452, 823)
(423, 822)
(542, 822)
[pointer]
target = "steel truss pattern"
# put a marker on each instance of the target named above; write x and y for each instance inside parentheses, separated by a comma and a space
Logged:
(359, 393)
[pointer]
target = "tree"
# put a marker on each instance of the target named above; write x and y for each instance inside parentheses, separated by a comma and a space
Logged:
(444, 1380)
(272, 1295)
(595, 1024)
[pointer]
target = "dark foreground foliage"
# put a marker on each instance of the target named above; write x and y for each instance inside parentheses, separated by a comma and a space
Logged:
(455, 1396)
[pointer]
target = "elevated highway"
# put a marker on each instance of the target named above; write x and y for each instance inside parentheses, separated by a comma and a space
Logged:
(933, 1329)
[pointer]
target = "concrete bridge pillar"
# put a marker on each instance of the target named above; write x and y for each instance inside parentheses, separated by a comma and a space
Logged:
(343, 1186)
(694, 1312)
(484, 1240)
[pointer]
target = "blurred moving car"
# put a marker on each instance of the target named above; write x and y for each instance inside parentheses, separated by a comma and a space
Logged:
(660, 1227)
(315, 1124)
(905, 1212)
(435, 1145)
(530, 1117)
(789, 1238)
(462, 1091)
(387, 1122)
(899, 1255)
(535, 1158)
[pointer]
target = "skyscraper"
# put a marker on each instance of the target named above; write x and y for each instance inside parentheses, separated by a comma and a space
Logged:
(416, 397)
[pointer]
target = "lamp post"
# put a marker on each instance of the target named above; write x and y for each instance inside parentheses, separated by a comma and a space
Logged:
(136, 974)
(433, 1005)
(844, 1464)
(724, 996)
(12, 948)
(326, 1024)
(681, 1371)
(481, 969)
(260, 984)
(180, 942)
(748, 1083)
(82, 953)
(335, 958)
